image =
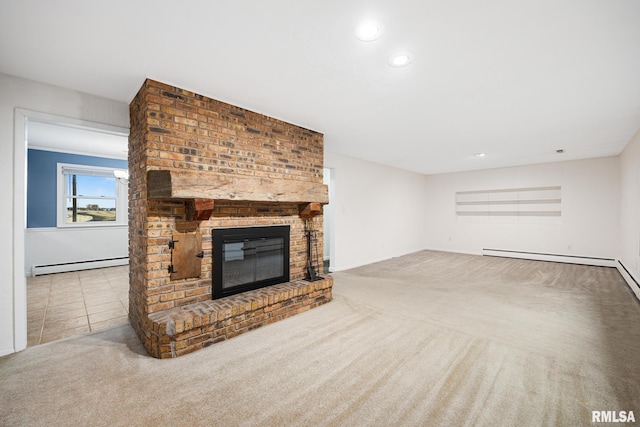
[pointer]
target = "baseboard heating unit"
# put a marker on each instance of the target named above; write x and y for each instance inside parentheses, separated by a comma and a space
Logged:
(37, 270)
(538, 256)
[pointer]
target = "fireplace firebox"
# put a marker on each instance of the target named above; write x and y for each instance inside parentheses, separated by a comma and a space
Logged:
(249, 258)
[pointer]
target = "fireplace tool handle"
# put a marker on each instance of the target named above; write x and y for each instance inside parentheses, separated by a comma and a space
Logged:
(311, 270)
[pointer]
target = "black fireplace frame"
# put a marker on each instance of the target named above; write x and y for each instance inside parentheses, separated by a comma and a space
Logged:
(236, 235)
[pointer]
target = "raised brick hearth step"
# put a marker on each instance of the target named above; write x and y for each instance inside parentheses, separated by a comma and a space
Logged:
(181, 330)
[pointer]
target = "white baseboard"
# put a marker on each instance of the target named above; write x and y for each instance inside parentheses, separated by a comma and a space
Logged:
(37, 270)
(536, 256)
(629, 278)
(454, 251)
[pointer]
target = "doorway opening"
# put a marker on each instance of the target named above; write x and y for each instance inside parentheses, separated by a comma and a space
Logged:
(52, 135)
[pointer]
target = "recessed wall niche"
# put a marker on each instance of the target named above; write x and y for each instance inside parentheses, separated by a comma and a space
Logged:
(509, 205)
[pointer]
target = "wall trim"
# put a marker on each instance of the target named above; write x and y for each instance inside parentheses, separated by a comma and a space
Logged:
(455, 251)
(37, 270)
(540, 256)
(629, 278)
(19, 225)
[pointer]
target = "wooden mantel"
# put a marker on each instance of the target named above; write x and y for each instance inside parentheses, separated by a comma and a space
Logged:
(175, 184)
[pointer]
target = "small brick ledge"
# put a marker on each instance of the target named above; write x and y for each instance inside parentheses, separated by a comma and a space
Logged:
(181, 330)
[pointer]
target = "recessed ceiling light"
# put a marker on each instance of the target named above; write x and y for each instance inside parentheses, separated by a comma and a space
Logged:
(368, 31)
(480, 154)
(401, 59)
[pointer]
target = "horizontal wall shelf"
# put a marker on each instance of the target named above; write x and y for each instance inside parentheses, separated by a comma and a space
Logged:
(529, 202)
(510, 213)
(510, 202)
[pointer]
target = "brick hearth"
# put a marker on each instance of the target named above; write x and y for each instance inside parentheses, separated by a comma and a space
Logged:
(184, 329)
(214, 165)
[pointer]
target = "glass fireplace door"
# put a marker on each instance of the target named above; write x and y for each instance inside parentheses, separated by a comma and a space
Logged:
(249, 258)
(252, 261)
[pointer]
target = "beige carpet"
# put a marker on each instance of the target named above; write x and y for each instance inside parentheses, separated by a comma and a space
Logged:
(426, 339)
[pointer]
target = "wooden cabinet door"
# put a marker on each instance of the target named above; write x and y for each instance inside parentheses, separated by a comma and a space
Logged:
(184, 255)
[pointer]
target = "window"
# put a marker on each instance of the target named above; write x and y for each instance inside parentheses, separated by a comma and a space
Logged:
(91, 196)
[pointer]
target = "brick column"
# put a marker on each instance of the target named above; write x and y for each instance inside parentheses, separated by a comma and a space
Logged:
(177, 130)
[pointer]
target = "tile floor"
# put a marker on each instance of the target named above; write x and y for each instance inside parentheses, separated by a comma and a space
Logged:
(64, 304)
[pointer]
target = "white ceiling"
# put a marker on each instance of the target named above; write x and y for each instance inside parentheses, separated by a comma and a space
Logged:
(514, 79)
(76, 140)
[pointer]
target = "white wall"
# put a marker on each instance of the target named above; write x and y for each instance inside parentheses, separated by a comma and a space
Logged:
(590, 210)
(378, 211)
(630, 210)
(18, 93)
(60, 248)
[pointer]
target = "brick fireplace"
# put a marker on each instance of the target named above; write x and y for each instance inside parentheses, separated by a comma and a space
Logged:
(197, 165)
